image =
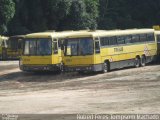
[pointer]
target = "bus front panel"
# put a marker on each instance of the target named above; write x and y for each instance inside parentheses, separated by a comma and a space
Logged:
(79, 54)
(38, 55)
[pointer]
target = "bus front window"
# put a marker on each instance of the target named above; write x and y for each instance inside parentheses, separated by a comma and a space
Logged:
(13, 43)
(26, 48)
(44, 47)
(79, 47)
(38, 47)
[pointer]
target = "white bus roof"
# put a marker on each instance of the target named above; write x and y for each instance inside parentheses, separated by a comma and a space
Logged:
(157, 32)
(101, 33)
(53, 34)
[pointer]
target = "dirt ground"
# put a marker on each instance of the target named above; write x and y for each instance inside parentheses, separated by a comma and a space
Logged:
(130, 90)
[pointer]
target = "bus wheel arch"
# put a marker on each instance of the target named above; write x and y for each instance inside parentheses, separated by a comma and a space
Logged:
(106, 66)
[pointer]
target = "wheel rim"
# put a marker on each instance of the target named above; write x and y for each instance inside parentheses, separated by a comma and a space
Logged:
(105, 68)
(137, 63)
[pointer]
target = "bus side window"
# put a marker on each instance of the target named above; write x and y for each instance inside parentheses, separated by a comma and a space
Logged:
(128, 39)
(120, 40)
(112, 41)
(104, 41)
(55, 47)
(97, 47)
(143, 38)
(135, 38)
(150, 37)
(158, 38)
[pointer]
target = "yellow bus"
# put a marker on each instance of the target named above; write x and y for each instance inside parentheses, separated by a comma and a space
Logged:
(14, 47)
(157, 33)
(156, 27)
(3, 46)
(42, 51)
(105, 50)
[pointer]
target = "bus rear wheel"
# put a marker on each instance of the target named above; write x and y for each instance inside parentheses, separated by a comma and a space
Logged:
(137, 62)
(143, 61)
(105, 67)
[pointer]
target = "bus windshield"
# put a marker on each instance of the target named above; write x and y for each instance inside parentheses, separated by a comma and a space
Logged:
(13, 43)
(38, 47)
(79, 47)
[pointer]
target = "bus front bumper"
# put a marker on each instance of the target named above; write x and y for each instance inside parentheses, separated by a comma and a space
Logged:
(89, 68)
(31, 68)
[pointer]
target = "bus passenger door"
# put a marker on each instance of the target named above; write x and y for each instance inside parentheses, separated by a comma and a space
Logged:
(97, 59)
(55, 58)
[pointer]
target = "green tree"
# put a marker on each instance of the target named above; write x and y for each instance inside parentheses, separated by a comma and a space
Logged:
(55, 11)
(41, 15)
(20, 19)
(83, 14)
(7, 11)
(92, 13)
(111, 12)
(145, 12)
(29, 17)
(36, 20)
(124, 14)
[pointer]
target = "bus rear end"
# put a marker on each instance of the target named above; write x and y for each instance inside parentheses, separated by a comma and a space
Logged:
(14, 49)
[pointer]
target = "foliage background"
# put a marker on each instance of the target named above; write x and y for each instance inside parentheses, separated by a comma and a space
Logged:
(26, 16)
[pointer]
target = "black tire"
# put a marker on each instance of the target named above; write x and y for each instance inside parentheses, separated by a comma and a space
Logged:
(105, 67)
(137, 62)
(143, 61)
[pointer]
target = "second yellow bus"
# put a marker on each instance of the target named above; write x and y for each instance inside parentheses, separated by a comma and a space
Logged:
(106, 50)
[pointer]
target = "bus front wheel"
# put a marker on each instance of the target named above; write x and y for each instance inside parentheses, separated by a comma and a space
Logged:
(105, 67)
